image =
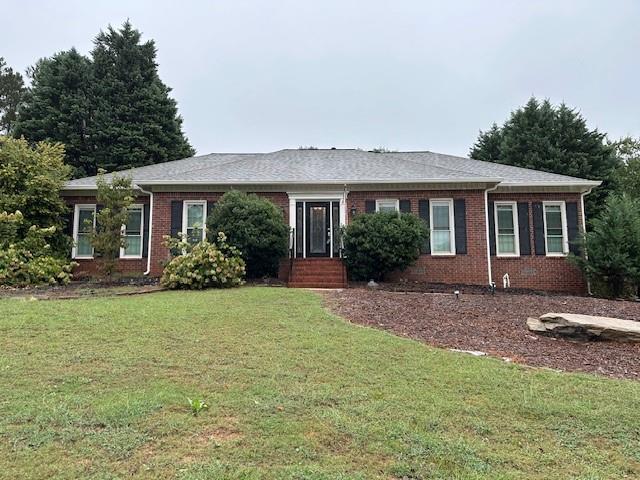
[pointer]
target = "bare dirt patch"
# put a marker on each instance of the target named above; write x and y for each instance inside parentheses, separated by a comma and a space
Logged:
(495, 324)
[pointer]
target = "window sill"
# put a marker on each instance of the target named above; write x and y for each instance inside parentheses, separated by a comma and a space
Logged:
(557, 255)
(443, 255)
(513, 255)
(130, 258)
(82, 258)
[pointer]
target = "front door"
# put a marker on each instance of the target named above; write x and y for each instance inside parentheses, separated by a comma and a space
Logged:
(318, 229)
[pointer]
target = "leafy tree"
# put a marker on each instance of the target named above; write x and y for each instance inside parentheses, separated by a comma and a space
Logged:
(11, 91)
(255, 226)
(613, 247)
(376, 244)
(31, 179)
(552, 139)
(136, 122)
(115, 197)
(58, 107)
(111, 111)
(628, 175)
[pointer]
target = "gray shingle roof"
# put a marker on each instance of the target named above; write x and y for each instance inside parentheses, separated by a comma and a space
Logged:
(337, 166)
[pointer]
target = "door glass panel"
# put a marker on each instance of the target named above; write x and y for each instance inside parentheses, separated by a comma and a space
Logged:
(318, 230)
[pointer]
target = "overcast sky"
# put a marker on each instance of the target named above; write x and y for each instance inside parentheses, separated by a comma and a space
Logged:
(407, 75)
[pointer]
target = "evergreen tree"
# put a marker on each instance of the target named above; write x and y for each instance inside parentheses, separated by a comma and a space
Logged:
(552, 139)
(487, 148)
(58, 107)
(11, 92)
(111, 111)
(613, 247)
(136, 122)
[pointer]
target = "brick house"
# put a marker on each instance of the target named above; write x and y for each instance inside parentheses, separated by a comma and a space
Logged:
(486, 220)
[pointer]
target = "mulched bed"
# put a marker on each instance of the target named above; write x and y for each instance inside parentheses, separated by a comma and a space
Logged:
(495, 324)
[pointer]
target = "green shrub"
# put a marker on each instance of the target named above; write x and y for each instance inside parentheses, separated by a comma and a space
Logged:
(29, 261)
(203, 265)
(379, 243)
(256, 227)
(613, 248)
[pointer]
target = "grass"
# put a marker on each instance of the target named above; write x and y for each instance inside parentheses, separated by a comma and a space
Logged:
(98, 388)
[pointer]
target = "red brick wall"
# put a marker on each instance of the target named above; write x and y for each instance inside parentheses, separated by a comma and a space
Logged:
(529, 272)
(470, 269)
(162, 219)
(538, 272)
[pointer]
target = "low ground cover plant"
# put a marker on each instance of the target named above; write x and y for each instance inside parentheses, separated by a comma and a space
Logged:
(203, 265)
(376, 244)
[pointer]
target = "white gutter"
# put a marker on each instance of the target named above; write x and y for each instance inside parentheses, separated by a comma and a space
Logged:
(486, 221)
(148, 270)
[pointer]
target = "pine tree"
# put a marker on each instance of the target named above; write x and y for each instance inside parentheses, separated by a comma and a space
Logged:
(11, 91)
(628, 175)
(136, 122)
(552, 139)
(58, 108)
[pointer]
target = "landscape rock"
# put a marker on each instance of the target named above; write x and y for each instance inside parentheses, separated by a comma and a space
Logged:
(586, 327)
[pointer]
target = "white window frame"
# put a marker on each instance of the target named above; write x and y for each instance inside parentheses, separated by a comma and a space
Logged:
(388, 201)
(124, 233)
(516, 230)
(565, 235)
(76, 221)
(185, 207)
(452, 227)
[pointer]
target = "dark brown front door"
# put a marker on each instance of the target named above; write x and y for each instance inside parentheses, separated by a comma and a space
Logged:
(318, 228)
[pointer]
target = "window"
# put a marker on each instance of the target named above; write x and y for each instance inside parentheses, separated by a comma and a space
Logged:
(506, 220)
(83, 226)
(555, 228)
(132, 233)
(442, 234)
(388, 206)
(194, 217)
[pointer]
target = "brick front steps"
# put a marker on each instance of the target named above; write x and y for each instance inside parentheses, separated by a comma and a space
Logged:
(318, 273)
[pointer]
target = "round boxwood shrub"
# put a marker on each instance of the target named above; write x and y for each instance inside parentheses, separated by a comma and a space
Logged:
(256, 227)
(203, 265)
(379, 243)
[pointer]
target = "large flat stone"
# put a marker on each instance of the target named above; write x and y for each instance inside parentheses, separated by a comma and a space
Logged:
(586, 326)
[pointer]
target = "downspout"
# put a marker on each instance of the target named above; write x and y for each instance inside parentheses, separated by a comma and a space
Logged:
(584, 231)
(486, 222)
(148, 270)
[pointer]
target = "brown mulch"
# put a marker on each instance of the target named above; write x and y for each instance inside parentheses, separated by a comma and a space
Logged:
(495, 325)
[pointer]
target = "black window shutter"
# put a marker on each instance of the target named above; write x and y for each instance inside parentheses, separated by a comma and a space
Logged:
(538, 228)
(176, 217)
(67, 221)
(572, 227)
(492, 229)
(405, 206)
(423, 213)
(460, 224)
(145, 230)
(369, 206)
(210, 206)
(523, 228)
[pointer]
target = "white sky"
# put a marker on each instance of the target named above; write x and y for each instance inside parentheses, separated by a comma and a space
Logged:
(407, 75)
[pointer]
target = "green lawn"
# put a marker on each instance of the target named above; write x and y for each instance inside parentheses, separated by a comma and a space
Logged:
(97, 388)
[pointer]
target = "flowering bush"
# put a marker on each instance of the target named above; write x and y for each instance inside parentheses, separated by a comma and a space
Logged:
(203, 265)
(29, 261)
